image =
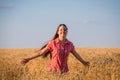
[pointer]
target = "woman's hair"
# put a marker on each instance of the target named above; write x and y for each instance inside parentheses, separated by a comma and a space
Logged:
(54, 37)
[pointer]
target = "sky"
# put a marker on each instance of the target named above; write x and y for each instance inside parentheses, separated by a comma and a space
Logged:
(32, 23)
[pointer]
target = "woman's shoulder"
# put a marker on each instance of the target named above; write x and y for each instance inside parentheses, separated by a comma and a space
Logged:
(52, 41)
(68, 41)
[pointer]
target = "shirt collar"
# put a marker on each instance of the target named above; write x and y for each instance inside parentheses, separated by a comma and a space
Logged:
(58, 41)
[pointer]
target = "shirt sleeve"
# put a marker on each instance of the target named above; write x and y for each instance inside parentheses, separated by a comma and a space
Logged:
(72, 47)
(49, 45)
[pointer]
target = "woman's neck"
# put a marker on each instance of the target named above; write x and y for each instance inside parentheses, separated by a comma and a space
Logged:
(62, 39)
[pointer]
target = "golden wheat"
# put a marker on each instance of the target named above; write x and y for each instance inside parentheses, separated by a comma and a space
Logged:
(104, 65)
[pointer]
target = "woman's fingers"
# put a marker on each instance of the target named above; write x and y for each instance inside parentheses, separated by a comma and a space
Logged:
(87, 63)
(24, 61)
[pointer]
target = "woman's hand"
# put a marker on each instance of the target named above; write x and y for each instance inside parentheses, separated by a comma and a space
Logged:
(24, 61)
(86, 63)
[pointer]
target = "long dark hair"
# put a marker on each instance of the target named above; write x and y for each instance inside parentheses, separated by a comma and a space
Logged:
(54, 37)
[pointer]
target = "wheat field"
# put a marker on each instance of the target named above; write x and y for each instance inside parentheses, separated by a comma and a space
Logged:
(104, 65)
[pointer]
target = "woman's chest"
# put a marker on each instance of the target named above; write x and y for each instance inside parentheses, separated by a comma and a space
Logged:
(61, 49)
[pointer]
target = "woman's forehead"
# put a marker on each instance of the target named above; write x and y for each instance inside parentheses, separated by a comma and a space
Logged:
(62, 27)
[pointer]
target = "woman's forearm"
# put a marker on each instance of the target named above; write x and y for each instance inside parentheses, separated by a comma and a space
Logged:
(35, 55)
(79, 58)
(38, 53)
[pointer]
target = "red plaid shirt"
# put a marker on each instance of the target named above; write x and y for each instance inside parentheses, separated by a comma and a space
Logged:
(59, 55)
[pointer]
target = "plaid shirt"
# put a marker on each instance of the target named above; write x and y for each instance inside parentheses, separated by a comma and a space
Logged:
(59, 55)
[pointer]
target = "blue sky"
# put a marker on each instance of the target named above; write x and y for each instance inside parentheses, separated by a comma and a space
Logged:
(31, 23)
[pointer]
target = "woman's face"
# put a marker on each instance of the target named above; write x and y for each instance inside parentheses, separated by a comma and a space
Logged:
(62, 31)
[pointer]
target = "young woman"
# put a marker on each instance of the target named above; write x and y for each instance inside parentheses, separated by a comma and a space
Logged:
(59, 48)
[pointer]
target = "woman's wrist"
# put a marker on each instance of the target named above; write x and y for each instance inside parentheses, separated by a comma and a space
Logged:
(84, 62)
(28, 59)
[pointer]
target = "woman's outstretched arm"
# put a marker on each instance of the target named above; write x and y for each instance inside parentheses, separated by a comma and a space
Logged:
(86, 63)
(35, 55)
